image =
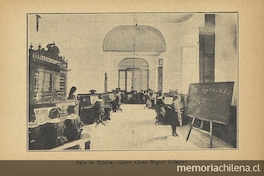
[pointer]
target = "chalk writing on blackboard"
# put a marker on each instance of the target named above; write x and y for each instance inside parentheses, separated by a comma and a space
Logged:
(210, 101)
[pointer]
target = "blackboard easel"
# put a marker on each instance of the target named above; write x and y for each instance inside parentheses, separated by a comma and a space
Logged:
(210, 132)
(209, 102)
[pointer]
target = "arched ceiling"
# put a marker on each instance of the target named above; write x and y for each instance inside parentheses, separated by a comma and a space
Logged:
(134, 38)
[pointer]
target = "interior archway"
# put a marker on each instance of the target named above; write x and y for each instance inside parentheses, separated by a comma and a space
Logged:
(133, 74)
(134, 38)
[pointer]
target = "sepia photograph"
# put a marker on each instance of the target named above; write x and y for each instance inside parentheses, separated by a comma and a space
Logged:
(132, 81)
(130, 88)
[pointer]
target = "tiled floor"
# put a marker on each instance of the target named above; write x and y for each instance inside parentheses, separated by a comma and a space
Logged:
(135, 129)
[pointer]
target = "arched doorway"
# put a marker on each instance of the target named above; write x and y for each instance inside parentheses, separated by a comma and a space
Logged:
(133, 74)
(136, 40)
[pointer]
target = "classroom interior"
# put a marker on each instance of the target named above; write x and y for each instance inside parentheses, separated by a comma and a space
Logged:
(125, 55)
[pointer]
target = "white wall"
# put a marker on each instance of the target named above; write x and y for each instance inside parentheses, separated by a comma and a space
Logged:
(176, 36)
(80, 40)
(226, 54)
(179, 35)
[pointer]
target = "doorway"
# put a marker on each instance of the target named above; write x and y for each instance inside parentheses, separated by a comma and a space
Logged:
(133, 74)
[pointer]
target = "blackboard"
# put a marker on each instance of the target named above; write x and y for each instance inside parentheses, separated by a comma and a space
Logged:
(210, 101)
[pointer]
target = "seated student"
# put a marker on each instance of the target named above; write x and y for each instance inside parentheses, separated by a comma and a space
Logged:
(160, 110)
(71, 94)
(123, 97)
(116, 103)
(119, 102)
(142, 96)
(72, 130)
(149, 100)
(98, 109)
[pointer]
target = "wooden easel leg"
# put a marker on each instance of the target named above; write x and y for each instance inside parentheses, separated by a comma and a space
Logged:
(190, 129)
(211, 134)
(201, 125)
